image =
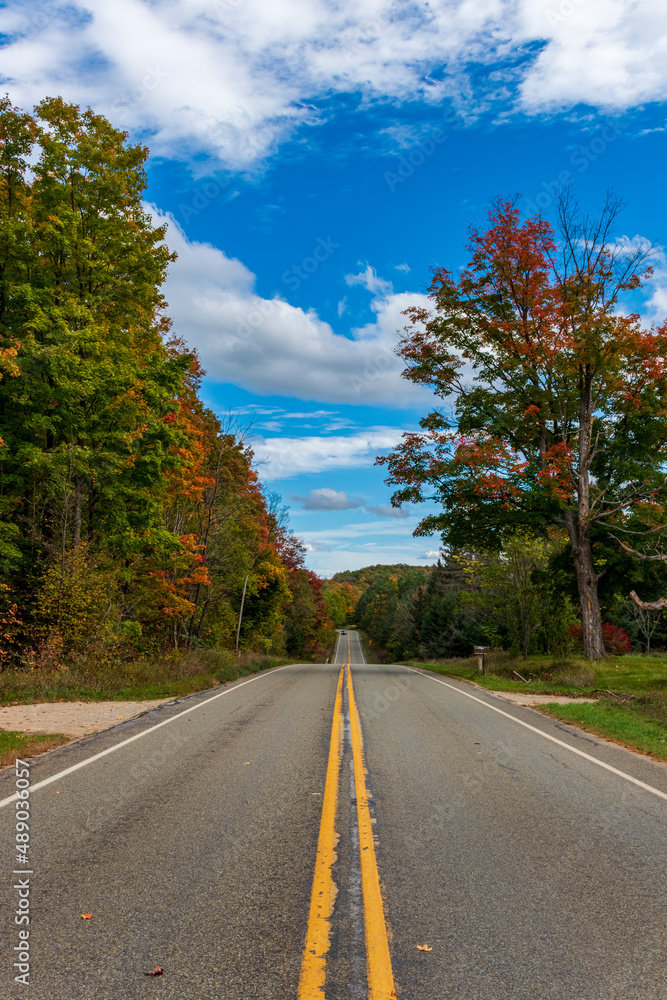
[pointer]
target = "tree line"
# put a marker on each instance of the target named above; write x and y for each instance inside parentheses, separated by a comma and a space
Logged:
(130, 517)
(523, 599)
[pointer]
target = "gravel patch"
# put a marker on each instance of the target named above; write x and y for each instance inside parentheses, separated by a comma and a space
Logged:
(72, 718)
(541, 699)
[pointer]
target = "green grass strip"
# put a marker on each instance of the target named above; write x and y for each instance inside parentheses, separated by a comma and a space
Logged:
(615, 722)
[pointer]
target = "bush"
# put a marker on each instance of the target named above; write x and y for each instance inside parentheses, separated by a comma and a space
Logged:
(616, 640)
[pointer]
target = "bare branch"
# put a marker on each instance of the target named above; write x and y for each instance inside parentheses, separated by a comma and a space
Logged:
(658, 605)
(640, 555)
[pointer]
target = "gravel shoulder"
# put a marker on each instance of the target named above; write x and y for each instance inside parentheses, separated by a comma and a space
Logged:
(73, 718)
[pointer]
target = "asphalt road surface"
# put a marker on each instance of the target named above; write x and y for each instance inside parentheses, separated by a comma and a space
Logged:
(298, 835)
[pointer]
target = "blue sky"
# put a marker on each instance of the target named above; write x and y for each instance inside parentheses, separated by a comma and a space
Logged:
(314, 159)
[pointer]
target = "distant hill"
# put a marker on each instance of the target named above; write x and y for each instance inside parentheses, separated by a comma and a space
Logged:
(371, 576)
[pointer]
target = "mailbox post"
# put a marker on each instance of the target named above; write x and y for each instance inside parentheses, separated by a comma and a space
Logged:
(479, 653)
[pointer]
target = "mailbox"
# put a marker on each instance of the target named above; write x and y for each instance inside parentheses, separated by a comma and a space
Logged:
(479, 653)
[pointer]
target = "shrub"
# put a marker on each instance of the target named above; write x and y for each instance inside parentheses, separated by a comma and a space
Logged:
(616, 640)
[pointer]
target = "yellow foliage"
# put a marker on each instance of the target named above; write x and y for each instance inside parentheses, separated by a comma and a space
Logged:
(75, 602)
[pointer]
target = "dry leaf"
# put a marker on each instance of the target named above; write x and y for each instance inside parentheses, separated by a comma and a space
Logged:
(86, 916)
(423, 947)
(157, 971)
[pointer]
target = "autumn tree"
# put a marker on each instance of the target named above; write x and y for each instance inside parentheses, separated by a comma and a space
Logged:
(127, 512)
(560, 408)
(341, 600)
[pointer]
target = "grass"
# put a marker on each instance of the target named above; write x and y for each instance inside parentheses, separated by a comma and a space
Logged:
(631, 691)
(368, 649)
(615, 722)
(145, 679)
(24, 745)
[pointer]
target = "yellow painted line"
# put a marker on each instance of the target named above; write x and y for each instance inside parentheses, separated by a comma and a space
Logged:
(313, 962)
(378, 960)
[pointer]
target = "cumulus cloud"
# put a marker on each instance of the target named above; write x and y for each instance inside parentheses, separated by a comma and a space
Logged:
(328, 499)
(233, 80)
(271, 347)
(283, 457)
(386, 510)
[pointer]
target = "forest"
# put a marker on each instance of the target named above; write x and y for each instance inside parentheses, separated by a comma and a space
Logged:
(131, 516)
(522, 600)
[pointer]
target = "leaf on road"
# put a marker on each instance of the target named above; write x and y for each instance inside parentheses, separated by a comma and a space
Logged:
(423, 947)
(86, 916)
(157, 971)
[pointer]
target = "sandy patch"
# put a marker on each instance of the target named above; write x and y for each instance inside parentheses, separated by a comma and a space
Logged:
(540, 699)
(72, 718)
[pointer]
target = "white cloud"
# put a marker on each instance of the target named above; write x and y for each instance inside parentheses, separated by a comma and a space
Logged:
(234, 79)
(403, 267)
(283, 457)
(656, 286)
(271, 347)
(359, 544)
(371, 282)
(386, 510)
(328, 499)
(609, 54)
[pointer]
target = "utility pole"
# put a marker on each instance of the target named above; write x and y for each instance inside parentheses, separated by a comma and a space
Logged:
(238, 631)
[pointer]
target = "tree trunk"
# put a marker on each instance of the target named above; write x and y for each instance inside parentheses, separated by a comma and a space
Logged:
(77, 512)
(587, 582)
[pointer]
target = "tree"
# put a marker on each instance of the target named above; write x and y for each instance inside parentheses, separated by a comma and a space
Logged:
(512, 589)
(126, 511)
(83, 413)
(341, 599)
(560, 413)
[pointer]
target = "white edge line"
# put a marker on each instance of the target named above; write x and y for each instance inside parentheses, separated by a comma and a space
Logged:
(361, 648)
(145, 732)
(554, 739)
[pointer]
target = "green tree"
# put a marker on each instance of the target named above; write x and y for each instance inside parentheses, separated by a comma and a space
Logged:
(83, 419)
(514, 592)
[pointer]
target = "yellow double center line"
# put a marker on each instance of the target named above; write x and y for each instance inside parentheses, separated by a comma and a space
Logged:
(318, 934)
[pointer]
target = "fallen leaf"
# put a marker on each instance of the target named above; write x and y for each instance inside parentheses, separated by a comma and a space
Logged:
(86, 916)
(245, 762)
(157, 971)
(423, 947)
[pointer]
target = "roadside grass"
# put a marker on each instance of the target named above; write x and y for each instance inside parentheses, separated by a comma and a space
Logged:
(620, 723)
(368, 649)
(24, 745)
(631, 691)
(144, 679)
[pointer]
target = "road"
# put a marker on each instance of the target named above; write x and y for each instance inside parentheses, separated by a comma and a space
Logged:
(297, 835)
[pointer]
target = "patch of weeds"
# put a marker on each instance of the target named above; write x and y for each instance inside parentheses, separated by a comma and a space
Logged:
(24, 745)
